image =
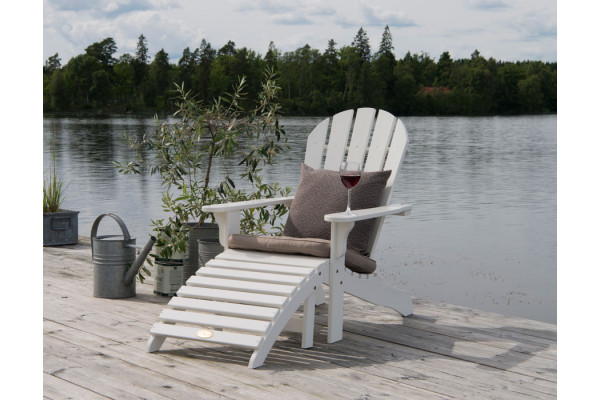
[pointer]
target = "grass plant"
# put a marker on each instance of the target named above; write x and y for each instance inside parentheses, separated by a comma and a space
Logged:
(54, 190)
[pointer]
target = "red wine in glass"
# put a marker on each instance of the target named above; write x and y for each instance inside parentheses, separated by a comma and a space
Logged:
(349, 175)
(350, 180)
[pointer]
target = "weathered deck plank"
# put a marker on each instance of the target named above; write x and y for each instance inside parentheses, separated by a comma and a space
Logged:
(58, 388)
(94, 348)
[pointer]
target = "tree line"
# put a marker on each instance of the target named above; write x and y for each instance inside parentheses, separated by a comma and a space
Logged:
(312, 82)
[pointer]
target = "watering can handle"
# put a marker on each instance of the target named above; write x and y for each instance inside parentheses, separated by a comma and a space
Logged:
(119, 221)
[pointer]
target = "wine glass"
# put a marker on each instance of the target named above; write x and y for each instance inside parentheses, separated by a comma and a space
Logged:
(350, 175)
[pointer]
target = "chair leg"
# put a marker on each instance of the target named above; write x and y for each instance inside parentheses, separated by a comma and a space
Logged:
(154, 343)
(308, 322)
(320, 296)
(375, 291)
(335, 315)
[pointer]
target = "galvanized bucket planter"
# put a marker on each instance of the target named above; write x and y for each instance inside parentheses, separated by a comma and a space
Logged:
(115, 262)
(203, 246)
(168, 277)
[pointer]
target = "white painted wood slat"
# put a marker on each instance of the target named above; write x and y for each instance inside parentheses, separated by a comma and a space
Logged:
(396, 154)
(273, 258)
(214, 321)
(271, 268)
(249, 204)
(338, 139)
(231, 284)
(250, 276)
(190, 333)
(360, 134)
(315, 143)
(378, 148)
(223, 308)
(369, 213)
(232, 296)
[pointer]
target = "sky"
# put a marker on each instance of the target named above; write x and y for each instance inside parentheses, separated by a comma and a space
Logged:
(507, 30)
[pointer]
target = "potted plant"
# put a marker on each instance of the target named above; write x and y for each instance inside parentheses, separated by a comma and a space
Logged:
(60, 226)
(203, 151)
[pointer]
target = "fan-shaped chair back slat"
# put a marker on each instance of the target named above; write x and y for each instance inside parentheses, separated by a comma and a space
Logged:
(338, 139)
(359, 142)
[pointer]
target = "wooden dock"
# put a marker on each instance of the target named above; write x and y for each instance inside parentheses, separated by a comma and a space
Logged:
(95, 349)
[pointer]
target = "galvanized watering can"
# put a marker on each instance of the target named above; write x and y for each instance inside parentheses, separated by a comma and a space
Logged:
(115, 263)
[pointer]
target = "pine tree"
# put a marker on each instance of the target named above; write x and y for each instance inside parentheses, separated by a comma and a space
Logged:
(272, 56)
(201, 78)
(186, 67)
(361, 43)
(331, 54)
(207, 53)
(140, 64)
(141, 53)
(444, 69)
(382, 89)
(331, 57)
(386, 48)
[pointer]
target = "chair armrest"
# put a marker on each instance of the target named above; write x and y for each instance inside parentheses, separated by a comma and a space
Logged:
(368, 213)
(227, 215)
(244, 205)
(342, 224)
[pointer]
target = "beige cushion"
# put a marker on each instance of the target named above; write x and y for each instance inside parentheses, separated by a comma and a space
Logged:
(305, 246)
(321, 192)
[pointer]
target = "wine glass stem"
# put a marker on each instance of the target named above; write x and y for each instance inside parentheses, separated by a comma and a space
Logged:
(348, 207)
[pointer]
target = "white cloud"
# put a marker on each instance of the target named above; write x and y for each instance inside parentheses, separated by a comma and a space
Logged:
(535, 26)
(348, 22)
(106, 8)
(267, 6)
(287, 12)
(378, 16)
(487, 4)
(71, 5)
(290, 19)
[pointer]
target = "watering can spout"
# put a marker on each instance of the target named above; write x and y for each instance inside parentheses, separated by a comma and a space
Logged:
(139, 261)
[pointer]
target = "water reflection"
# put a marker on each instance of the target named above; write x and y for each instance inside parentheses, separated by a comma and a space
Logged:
(483, 228)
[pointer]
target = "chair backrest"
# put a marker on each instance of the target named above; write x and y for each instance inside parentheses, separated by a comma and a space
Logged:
(378, 142)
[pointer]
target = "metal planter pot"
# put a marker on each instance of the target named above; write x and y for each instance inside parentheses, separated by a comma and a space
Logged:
(203, 246)
(61, 227)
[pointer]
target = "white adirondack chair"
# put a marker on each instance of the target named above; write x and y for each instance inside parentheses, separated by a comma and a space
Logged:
(246, 298)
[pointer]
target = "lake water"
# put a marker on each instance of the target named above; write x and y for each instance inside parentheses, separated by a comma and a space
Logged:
(483, 228)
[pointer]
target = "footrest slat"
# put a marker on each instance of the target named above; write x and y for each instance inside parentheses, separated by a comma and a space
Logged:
(259, 267)
(245, 286)
(231, 296)
(214, 321)
(272, 258)
(222, 308)
(250, 276)
(206, 335)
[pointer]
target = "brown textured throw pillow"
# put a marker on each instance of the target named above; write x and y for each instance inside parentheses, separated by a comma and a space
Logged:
(321, 192)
